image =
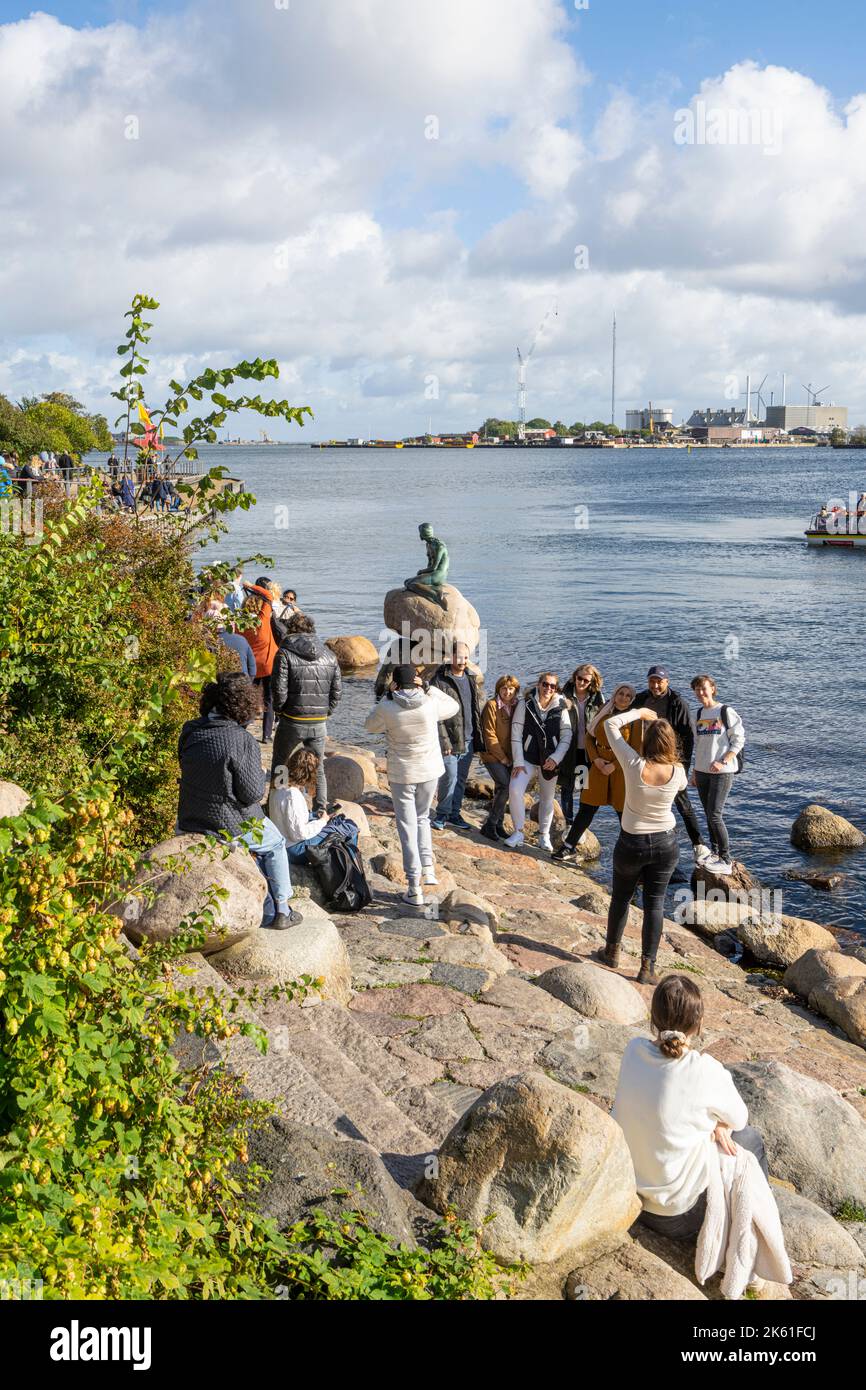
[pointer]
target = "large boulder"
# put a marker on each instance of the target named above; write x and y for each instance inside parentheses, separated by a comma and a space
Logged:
(314, 948)
(353, 653)
(357, 814)
(541, 1170)
(430, 629)
(588, 1056)
(814, 1138)
(843, 1002)
(348, 775)
(194, 867)
(812, 1236)
(711, 916)
(305, 1165)
(816, 829)
(779, 941)
(13, 799)
(594, 992)
(815, 968)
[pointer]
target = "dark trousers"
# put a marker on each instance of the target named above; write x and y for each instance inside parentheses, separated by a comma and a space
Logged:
(292, 734)
(582, 821)
(713, 788)
(648, 860)
(688, 1224)
(264, 684)
(501, 781)
(687, 813)
(566, 784)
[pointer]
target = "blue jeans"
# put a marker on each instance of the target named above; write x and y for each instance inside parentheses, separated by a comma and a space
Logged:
(270, 855)
(452, 784)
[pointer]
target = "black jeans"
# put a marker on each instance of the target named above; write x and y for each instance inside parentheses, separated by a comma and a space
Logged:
(501, 782)
(582, 821)
(648, 860)
(687, 813)
(292, 734)
(566, 784)
(713, 788)
(688, 1223)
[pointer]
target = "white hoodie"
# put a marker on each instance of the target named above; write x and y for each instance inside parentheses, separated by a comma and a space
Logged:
(410, 722)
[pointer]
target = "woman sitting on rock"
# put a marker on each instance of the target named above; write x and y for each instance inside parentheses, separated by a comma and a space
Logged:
(719, 740)
(646, 852)
(409, 717)
(289, 806)
(222, 784)
(540, 738)
(606, 783)
(496, 719)
(681, 1112)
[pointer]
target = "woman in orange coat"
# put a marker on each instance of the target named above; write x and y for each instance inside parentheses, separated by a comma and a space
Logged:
(259, 604)
(605, 785)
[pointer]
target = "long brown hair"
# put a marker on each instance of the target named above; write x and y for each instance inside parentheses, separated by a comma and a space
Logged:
(677, 1012)
(596, 679)
(660, 743)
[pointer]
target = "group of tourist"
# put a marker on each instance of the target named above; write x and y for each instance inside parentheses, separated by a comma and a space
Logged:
(631, 752)
(697, 1161)
(16, 472)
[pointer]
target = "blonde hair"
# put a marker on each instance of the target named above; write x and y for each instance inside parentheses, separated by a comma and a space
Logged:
(660, 743)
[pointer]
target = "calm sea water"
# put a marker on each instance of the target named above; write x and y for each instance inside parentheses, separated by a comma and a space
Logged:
(619, 557)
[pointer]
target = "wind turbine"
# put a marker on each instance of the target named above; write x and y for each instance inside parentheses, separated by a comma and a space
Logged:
(812, 398)
(761, 401)
(522, 364)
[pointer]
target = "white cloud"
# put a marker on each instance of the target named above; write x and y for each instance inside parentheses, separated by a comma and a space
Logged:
(278, 201)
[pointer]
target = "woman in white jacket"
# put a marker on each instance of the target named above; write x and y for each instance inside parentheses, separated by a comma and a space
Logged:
(289, 808)
(409, 717)
(719, 742)
(540, 737)
(673, 1105)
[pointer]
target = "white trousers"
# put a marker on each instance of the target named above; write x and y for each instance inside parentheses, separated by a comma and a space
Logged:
(546, 796)
(412, 803)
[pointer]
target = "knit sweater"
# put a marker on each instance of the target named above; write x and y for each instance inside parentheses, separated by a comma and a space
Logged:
(668, 1108)
(647, 809)
(221, 777)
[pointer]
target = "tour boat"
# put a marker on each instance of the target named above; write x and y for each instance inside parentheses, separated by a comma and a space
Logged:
(845, 532)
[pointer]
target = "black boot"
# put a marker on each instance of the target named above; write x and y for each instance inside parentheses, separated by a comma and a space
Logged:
(501, 832)
(489, 832)
(647, 973)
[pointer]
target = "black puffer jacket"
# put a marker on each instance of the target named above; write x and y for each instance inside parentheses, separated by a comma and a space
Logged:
(221, 777)
(306, 680)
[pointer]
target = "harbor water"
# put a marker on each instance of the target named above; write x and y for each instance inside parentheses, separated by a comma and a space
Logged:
(624, 558)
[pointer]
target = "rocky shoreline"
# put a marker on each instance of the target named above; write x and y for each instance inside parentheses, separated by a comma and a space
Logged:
(466, 1056)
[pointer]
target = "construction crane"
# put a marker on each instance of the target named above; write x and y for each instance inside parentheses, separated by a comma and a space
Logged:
(522, 364)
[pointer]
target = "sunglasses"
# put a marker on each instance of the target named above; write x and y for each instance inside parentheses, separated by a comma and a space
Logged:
(549, 685)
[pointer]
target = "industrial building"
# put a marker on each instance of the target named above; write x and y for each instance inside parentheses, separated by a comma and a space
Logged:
(653, 417)
(821, 418)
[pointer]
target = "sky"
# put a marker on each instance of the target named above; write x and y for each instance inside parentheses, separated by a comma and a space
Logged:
(391, 196)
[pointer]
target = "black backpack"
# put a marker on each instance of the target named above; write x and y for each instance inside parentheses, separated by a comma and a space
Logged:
(740, 757)
(340, 871)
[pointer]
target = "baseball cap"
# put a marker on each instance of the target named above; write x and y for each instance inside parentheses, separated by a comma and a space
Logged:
(657, 671)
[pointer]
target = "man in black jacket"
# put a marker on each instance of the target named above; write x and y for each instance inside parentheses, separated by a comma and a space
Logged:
(670, 705)
(306, 688)
(460, 737)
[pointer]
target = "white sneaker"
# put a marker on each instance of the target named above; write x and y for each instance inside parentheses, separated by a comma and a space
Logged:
(702, 854)
(514, 841)
(428, 875)
(414, 896)
(722, 867)
(544, 843)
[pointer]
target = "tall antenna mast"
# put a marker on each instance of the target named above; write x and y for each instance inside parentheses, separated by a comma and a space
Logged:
(521, 397)
(613, 375)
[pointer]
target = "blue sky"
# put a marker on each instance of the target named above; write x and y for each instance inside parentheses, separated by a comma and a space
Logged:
(282, 199)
